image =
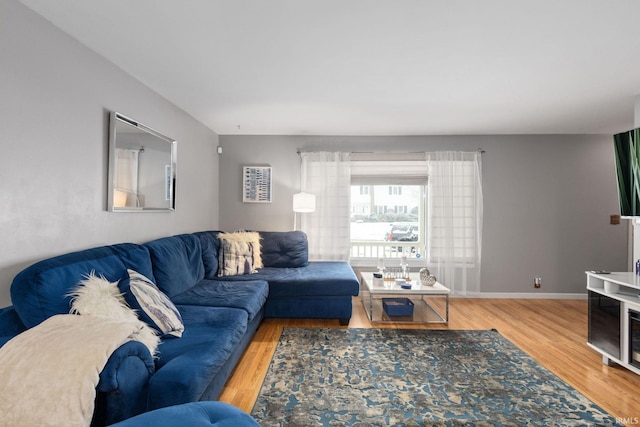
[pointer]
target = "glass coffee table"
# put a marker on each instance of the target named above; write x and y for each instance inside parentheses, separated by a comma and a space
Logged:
(386, 301)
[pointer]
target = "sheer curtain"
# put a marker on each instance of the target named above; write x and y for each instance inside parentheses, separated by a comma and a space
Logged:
(328, 176)
(454, 238)
(126, 179)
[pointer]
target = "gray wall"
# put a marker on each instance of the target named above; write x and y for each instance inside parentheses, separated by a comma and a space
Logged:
(547, 200)
(55, 95)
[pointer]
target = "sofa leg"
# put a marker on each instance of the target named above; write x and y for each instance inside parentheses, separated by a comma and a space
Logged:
(344, 321)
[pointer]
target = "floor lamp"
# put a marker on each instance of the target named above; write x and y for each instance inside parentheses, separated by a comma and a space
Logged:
(303, 203)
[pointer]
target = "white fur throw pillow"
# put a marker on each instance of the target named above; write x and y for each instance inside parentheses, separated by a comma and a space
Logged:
(96, 296)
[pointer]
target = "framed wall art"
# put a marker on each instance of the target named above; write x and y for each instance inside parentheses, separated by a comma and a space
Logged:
(256, 184)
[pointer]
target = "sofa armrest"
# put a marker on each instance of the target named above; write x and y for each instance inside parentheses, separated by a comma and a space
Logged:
(124, 384)
(10, 324)
(112, 375)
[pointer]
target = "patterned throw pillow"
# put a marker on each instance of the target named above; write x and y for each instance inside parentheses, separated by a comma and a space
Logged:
(235, 258)
(153, 306)
(239, 253)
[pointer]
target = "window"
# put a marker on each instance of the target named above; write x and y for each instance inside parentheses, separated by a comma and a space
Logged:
(384, 229)
(448, 210)
(392, 213)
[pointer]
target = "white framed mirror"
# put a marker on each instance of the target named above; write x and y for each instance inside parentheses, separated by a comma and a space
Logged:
(142, 167)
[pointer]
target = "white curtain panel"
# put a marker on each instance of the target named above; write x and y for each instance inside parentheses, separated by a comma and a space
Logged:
(127, 172)
(126, 175)
(328, 176)
(454, 238)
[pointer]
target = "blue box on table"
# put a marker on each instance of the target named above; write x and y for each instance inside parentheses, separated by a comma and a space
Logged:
(397, 306)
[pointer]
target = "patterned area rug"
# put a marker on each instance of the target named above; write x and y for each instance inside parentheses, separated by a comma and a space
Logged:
(372, 377)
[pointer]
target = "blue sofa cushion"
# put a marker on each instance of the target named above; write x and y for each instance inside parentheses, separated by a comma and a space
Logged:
(177, 262)
(247, 295)
(210, 252)
(42, 290)
(284, 248)
(153, 307)
(187, 365)
(134, 257)
(317, 278)
(192, 414)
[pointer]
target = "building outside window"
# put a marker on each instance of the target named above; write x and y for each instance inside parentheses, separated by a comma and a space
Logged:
(395, 190)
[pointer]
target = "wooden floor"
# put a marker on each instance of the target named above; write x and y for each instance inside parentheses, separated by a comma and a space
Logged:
(553, 332)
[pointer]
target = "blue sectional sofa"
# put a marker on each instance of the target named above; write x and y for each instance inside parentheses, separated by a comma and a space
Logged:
(220, 314)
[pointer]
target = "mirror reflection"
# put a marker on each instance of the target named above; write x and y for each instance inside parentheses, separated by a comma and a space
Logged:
(142, 167)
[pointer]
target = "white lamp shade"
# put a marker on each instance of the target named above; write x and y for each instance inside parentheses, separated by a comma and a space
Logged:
(304, 202)
(119, 199)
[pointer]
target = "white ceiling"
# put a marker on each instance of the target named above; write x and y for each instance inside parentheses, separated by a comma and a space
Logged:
(375, 67)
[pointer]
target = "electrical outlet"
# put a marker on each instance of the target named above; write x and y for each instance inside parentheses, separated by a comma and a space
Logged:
(537, 282)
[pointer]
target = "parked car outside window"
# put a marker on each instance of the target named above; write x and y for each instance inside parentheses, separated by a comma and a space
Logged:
(403, 232)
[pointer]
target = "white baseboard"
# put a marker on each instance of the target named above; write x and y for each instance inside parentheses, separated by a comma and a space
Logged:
(523, 295)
